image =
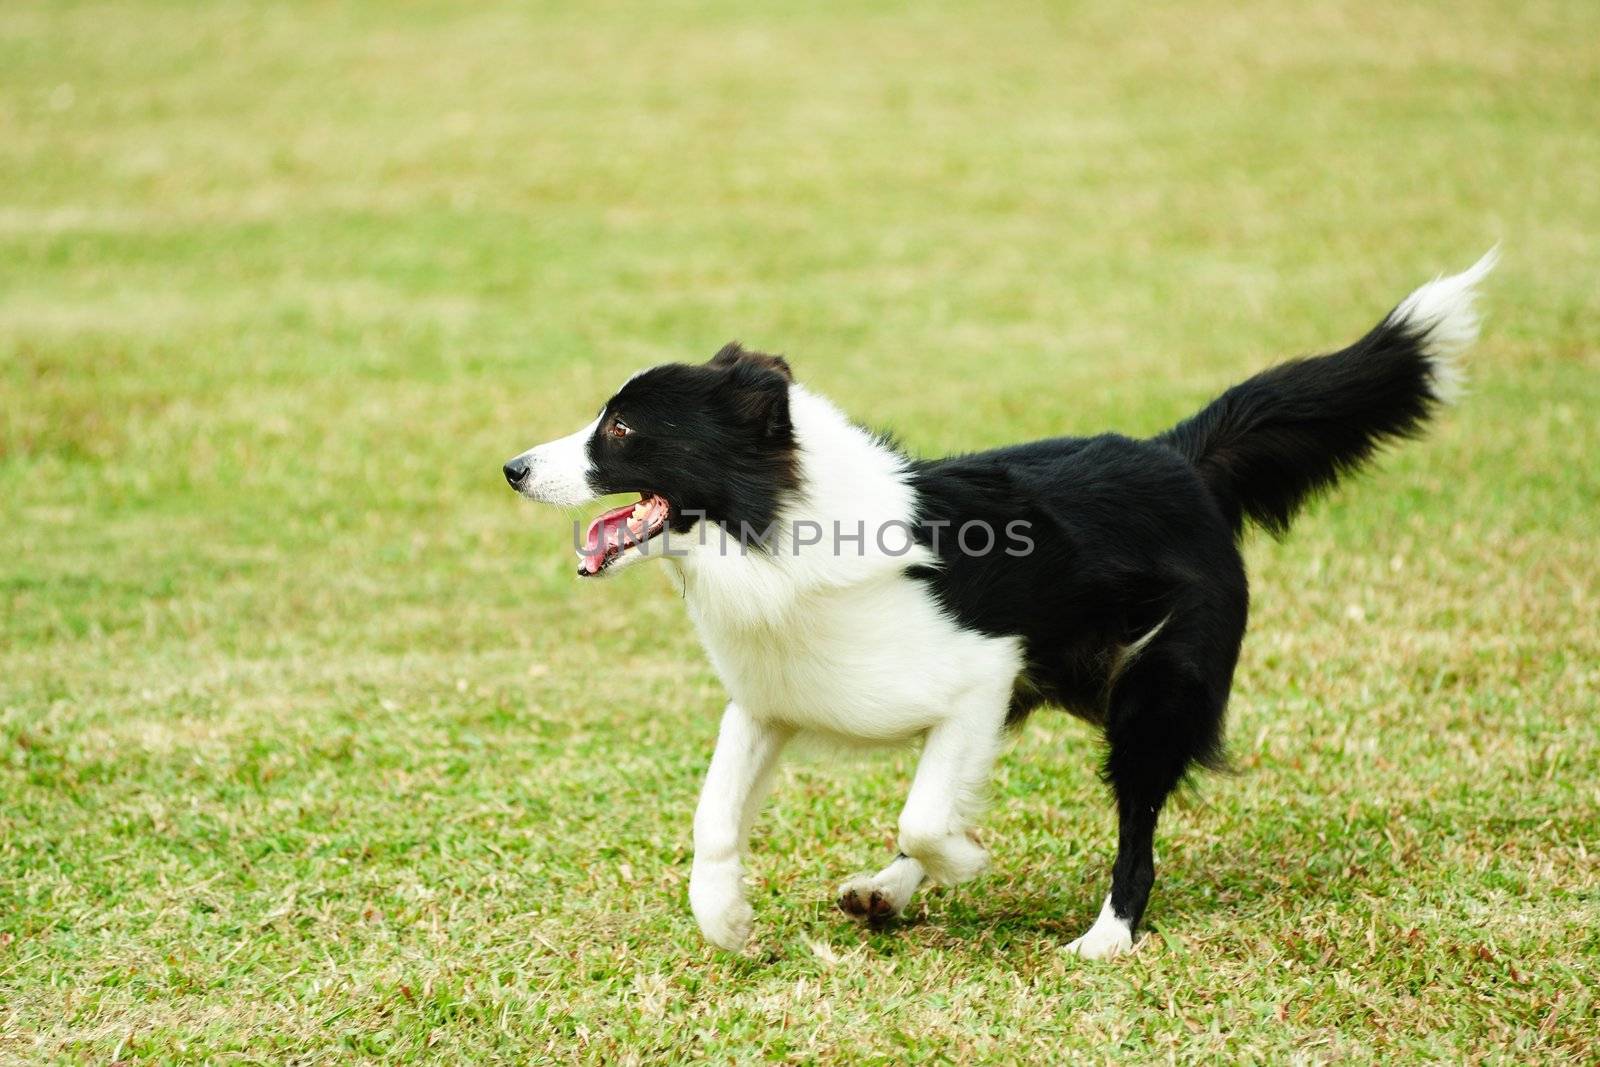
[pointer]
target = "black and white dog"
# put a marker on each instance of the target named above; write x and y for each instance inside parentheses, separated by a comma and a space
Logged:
(844, 588)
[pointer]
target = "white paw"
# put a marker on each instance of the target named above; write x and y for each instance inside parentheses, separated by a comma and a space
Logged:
(862, 897)
(1102, 945)
(1107, 939)
(725, 917)
(729, 928)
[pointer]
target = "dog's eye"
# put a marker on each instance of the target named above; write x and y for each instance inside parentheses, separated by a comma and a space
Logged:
(618, 428)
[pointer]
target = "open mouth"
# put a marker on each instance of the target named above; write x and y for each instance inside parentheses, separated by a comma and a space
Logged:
(622, 529)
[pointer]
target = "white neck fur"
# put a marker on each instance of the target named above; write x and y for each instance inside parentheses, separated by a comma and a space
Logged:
(849, 483)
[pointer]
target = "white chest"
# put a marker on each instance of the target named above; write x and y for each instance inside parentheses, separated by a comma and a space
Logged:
(875, 661)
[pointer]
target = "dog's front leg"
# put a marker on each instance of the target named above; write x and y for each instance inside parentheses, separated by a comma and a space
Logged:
(946, 796)
(741, 770)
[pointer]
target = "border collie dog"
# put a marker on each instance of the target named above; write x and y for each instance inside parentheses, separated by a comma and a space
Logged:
(844, 588)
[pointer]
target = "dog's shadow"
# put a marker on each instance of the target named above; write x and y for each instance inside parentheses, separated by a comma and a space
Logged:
(985, 918)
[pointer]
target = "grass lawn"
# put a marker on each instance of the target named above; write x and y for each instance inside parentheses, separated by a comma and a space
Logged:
(311, 747)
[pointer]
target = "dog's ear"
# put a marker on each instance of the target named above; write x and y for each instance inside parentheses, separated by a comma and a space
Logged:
(757, 389)
(734, 353)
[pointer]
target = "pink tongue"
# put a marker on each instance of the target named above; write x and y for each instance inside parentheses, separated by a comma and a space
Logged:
(599, 538)
(611, 529)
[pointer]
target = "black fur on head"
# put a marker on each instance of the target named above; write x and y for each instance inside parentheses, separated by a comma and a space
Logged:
(714, 439)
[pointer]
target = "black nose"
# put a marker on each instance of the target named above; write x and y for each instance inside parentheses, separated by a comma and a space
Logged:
(516, 471)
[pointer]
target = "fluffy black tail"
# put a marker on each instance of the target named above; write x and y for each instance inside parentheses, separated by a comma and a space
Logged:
(1270, 443)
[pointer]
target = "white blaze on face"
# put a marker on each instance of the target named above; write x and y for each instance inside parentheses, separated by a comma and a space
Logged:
(558, 472)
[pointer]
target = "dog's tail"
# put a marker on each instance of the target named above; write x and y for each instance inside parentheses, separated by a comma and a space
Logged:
(1272, 442)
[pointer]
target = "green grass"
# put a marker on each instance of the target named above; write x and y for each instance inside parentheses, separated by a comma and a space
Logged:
(312, 750)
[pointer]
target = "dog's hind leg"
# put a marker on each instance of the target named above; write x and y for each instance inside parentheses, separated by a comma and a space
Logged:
(1163, 716)
(946, 796)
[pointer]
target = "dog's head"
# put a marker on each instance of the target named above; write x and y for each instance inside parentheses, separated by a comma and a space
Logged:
(709, 442)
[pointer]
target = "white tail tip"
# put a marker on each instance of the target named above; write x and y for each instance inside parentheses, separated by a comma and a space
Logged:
(1442, 317)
